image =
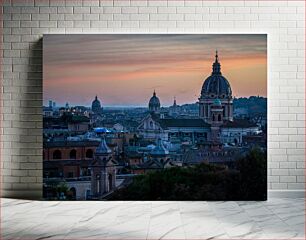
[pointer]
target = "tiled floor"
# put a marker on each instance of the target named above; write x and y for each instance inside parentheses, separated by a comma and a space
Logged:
(274, 219)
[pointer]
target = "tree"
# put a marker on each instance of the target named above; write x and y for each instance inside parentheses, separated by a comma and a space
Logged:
(202, 182)
(253, 175)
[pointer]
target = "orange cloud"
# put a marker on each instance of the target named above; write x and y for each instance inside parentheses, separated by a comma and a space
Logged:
(128, 78)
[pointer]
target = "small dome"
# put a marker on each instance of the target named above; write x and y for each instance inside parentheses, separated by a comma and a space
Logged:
(216, 85)
(96, 105)
(103, 148)
(159, 150)
(154, 103)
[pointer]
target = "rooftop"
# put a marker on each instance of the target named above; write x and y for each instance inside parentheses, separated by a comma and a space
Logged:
(71, 144)
(238, 123)
(183, 123)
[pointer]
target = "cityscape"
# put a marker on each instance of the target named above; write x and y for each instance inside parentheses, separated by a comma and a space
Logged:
(212, 149)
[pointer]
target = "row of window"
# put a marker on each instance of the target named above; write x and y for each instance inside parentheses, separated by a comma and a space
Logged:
(57, 154)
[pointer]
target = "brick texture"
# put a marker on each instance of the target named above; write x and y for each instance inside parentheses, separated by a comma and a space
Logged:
(25, 22)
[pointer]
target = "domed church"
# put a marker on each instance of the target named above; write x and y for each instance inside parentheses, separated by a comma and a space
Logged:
(216, 87)
(154, 104)
(96, 106)
(215, 125)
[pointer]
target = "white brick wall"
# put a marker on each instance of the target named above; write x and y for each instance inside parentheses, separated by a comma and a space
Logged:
(24, 22)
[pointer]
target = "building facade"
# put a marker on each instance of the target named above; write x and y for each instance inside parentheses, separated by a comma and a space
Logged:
(87, 167)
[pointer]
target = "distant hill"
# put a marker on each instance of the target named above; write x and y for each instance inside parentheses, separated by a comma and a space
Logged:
(252, 105)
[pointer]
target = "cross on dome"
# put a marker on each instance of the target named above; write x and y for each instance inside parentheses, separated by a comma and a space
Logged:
(217, 57)
(216, 65)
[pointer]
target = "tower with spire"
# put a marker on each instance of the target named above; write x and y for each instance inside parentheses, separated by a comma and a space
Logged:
(174, 102)
(216, 65)
(103, 170)
(174, 108)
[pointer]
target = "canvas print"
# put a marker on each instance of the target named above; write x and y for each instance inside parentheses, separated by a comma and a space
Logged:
(155, 117)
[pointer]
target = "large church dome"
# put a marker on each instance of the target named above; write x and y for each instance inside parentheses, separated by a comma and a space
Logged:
(216, 86)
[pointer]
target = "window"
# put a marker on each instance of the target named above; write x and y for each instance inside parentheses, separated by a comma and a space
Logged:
(87, 194)
(219, 118)
(214, 117)
(57, 154)
(89, 153)
(110, 182)
(151, 124)
(85, 171)
(70, 175)
(98, 186)
(73, 154)
(73, 192)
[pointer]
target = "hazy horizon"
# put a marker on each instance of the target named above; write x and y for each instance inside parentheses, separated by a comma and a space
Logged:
(124, 69)
(129, 106)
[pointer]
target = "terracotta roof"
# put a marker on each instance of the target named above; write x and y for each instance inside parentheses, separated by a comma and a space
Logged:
(71, 144)
(183, 123)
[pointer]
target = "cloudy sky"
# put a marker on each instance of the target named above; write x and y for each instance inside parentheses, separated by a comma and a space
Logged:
(124, 69)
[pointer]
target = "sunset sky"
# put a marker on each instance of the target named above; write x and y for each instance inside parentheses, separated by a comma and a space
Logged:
(124, 69)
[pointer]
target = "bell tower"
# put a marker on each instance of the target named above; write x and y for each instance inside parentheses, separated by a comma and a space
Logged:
(216, 120)
(103, 171)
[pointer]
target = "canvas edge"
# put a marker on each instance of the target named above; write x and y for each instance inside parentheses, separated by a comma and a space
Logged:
(37, 194)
